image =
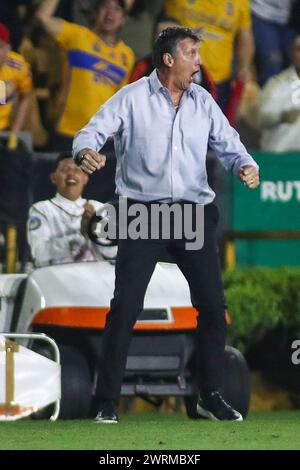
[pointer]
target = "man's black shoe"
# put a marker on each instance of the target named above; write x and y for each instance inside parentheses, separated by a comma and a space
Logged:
(107, 414)
(212, 406)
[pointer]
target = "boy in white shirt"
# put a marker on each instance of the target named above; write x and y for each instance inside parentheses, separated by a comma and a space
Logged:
(279, 108)
(55, 226)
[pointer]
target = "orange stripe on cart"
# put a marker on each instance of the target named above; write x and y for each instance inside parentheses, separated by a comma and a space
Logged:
(184, 318)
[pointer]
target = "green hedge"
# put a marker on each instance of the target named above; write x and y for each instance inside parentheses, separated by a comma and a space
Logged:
(260, 299)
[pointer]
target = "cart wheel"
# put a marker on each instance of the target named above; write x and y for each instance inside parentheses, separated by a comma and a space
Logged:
(76, 386)
(236, 381)
(235, 387)
(191, 406)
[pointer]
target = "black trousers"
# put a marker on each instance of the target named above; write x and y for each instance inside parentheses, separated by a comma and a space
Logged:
(135, 264)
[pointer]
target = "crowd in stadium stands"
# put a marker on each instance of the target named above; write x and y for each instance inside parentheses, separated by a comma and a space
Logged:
(15, 76)
(279, 107)
(60, 60)
(83, 51)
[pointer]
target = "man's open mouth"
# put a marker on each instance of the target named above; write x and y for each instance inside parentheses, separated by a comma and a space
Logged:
(71, 181)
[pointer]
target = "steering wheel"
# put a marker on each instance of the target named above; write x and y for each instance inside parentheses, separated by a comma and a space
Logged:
(105, 216)
(108, 214)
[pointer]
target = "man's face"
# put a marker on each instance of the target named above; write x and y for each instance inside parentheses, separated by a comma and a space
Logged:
(4, 48)
(296, 54)
(69, 179)
(110, 17)
(186, 63)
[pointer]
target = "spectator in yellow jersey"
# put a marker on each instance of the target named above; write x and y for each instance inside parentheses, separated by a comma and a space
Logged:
(15, 85)
(224, 23)
(98, 64)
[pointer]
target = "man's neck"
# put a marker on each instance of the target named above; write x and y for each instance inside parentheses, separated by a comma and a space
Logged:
(110, 39)
(167, 81)
(69, 197)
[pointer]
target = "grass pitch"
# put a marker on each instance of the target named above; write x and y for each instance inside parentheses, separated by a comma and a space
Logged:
(155, 431)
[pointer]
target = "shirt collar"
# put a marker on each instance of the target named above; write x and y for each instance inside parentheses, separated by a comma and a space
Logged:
(67, 203)
(294, 74)
(156, 85)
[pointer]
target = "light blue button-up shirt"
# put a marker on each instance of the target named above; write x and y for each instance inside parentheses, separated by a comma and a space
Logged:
(161, 153)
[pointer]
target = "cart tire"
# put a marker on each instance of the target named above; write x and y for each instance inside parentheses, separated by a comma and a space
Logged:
(236, 381)
(76, 385)
(190, 403)
(235, 387)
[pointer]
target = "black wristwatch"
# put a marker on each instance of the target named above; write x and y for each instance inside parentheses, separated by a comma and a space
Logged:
(78, 159)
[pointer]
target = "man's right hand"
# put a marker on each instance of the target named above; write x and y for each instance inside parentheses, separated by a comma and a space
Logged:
(91, 160)
(89, 211)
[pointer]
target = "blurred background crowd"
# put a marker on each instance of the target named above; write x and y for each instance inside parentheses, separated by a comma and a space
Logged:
(248, 49)
(60, 60)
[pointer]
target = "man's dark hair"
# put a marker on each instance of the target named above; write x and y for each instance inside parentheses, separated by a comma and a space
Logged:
(167, 42)
(162, 18)
(120, 2)
(61, 156)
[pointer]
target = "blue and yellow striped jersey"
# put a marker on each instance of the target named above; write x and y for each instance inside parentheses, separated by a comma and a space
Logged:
(95, 71)
(15, 78)
(220, 21)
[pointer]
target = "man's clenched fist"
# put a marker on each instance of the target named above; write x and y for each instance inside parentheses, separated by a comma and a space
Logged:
(250, 176)
(91, 161)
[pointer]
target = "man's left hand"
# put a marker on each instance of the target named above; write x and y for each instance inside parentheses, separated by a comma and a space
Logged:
(249, 175)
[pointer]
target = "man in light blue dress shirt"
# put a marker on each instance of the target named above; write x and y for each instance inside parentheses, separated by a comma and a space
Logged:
(162, 126)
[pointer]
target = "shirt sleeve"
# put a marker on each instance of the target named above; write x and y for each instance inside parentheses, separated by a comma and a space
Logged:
(107, 122)
(225, 141)
(68, 35)
(24, 83)
(245, 16)
(45, 248)
(38, 236)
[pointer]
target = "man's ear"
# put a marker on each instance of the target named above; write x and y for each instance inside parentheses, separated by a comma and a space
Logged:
(168, 59)
(53, 178)
(125, 18)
